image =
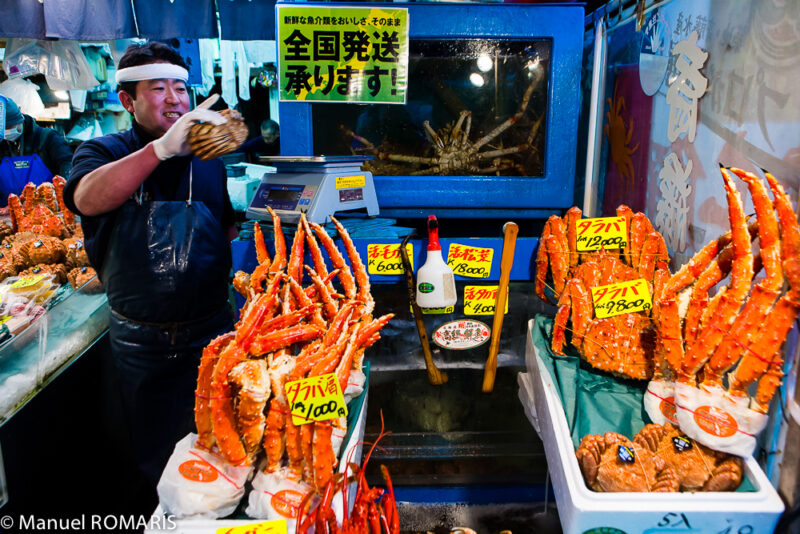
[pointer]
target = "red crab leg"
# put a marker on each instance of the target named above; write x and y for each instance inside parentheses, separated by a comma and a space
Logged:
(265, 343)
(316, 254)
(295, 269)
(763, 294)
(279, 261)
(223, 418)
(362, 279)
(303, 300)
(345, 276)
(330, 306)
(202, 410)
(558, 251)
(575, 301)
(542, 263)
(698, 352)
(261, 248)
(571, 219)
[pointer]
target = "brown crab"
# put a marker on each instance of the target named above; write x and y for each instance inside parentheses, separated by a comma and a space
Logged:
(698, 468)
(613, 463)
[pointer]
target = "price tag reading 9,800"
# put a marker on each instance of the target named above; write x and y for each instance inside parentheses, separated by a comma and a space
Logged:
(316, 398)
(602, 232)
(623, 297)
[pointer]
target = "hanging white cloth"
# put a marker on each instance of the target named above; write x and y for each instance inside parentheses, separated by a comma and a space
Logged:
(208, 52)
(232, 54)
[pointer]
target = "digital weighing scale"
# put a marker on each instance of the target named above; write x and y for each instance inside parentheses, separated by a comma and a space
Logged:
(318, 186)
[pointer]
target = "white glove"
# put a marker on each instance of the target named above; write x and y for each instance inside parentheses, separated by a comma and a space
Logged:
(175, 142)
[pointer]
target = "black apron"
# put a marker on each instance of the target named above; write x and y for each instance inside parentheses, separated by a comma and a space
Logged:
(166, 277)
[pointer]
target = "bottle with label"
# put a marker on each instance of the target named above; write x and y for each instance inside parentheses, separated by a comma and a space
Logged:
(436, 286)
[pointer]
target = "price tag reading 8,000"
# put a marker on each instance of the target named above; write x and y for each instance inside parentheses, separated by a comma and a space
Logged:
(602, 232)
(623, 297)
(316, 398)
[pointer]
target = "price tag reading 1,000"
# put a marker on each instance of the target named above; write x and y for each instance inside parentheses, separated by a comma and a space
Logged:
(624, 297)
(602, 232)
(316, 398)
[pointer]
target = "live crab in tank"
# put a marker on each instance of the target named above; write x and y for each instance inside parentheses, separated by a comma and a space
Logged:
(453, 153)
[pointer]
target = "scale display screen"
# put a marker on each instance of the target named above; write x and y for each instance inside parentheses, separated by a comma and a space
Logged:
(278, 196)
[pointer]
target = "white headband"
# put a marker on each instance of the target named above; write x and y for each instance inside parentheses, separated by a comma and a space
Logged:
(152, 71)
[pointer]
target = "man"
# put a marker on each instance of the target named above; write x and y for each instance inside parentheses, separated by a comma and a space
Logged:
(267, 144)
(29, 153)
(157, 225)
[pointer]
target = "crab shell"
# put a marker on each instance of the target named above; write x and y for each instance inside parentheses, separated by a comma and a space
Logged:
(43, 249)
(208, 141)
(56, 269)
(613, 463)
(698, 468)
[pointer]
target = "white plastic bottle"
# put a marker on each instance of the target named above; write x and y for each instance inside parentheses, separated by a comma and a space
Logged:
(436, 287)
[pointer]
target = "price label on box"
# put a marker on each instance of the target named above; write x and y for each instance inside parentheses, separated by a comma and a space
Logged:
(316, 398)
(479, 300)
(473, 262)
(386, 260)
(276, 526)
(623, 297)
(602, 232)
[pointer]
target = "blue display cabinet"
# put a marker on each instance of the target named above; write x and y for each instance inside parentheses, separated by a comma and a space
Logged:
(494, 60)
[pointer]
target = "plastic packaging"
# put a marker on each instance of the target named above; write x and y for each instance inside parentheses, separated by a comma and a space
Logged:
(62, 62)
(436, 286)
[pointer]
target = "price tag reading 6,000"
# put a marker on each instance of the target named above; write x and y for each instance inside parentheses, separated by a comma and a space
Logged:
(316, 398)
(624, 297)
(602, 232)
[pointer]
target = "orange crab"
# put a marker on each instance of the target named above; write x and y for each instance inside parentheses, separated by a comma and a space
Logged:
(41, 209)
(612, 462)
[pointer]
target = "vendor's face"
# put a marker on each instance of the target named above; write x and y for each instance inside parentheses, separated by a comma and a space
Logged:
(158, 104)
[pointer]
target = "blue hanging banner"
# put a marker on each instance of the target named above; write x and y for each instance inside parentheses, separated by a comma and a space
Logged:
(22, 18)
(89, 20)
(166, 19)
(247, 20)
(189, 49)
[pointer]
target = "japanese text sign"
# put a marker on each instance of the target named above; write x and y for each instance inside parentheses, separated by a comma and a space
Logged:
(602, 232)
(623, 297)
(316, 398)
(27, 281)
(462, 334)
(276, 526)
(385, 259)
(479, 300)
(343, 54)
(473, 262)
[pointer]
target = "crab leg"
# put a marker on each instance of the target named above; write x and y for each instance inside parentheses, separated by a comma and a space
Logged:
(329, 305)
(222, 411)
(281, 365)
(295, 269)
(701, 349)
(316, 254)
(279, 261)
(265, 343)
(345, 276)
(511, 120)
(577, 300)
(558, 250)
(571, 219)
(699, 311)
(542, 263)
(763, 294)
(763, 354)
(252, 382)
(261, 248)
(303, 300)
(360, 272)
(202, 409)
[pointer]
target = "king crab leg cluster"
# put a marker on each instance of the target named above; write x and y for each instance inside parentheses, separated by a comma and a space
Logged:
(741, 328)
(286, 332)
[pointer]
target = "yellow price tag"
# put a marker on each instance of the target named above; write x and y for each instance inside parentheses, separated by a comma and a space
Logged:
(386, 260)
(276, 526)
(479, 300)
(316, 398)
(623, 297)
(602, 232)
(474, 262)
(349, 182)
(27, 281)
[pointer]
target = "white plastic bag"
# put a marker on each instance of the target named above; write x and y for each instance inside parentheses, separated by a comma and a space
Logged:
(199, 484)
(274, 496)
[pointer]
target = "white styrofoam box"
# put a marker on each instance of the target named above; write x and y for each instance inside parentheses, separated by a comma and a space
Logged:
(581, 510)
(161, 524)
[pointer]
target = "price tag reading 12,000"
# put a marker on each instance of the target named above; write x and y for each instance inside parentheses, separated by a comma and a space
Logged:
(316, 398)
(602, 232)
(624, 297)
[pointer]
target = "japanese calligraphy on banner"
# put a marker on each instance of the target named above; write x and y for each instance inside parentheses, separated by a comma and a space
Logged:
(479, 300)
(316, 398)
(385, 259)
(473, 262)
(343, 54)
